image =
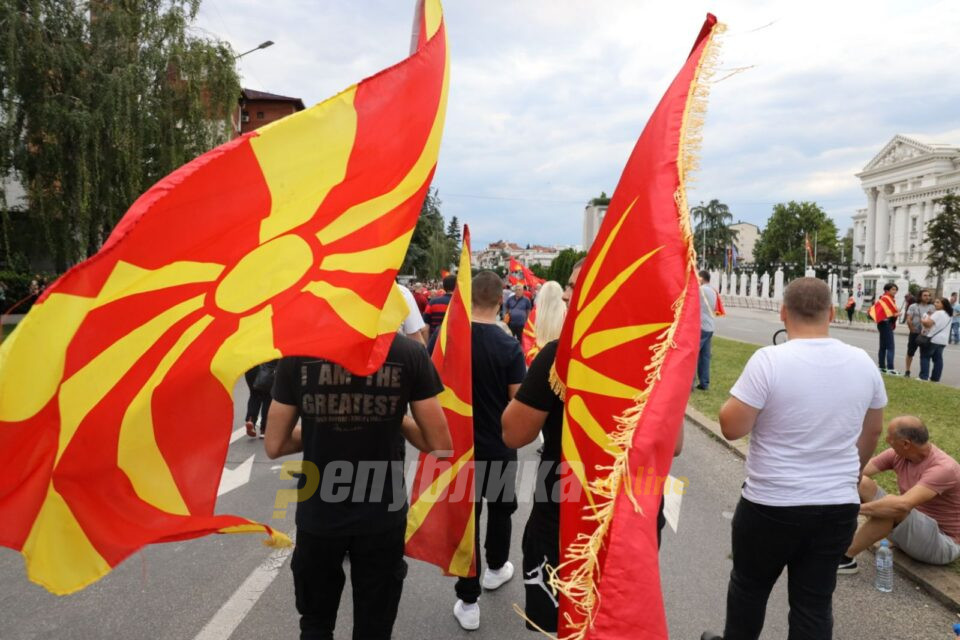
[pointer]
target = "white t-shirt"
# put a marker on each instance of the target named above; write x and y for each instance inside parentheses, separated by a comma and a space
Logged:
(812, 395)
(939, 331)
(414, 321)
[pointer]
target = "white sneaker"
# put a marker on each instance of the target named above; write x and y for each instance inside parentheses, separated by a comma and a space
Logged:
(468, 615)
(494, 579)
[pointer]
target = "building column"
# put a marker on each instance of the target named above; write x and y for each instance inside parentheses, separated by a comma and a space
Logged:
(922, 231)
(869, 245)
(882, 228)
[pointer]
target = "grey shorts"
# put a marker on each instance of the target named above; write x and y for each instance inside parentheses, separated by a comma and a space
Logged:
(920, 537)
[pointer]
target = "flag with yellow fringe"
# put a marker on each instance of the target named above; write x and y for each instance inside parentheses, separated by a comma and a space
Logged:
(625, 371)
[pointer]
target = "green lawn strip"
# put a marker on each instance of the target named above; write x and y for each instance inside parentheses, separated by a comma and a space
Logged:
(938, 405)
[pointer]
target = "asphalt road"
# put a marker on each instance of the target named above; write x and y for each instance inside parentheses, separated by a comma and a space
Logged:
(233, 587)
(758, 327)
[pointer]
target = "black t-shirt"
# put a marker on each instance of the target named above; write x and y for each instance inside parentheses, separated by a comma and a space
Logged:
(497, 363)
(536, 392)
(351, 425)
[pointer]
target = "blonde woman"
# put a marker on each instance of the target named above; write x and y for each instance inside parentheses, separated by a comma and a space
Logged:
(547, 319)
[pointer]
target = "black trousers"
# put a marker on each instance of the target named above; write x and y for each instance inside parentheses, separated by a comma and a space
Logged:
(258, 402)
(808, 541)
(887, 346)
(497, 484)
(377, 570)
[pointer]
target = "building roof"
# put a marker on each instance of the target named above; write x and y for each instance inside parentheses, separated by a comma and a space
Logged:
(253, 94)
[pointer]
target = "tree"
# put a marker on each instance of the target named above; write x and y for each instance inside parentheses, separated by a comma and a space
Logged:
(540, 271)
(783, 239)
(944, 237)
(602, 200)
(454, 237)
(429, 250)
(562, 265)
(713, 234)
(98, 101)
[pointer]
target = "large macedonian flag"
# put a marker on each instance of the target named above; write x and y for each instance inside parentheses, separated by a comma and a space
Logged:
(116, 407)
(441, 523)
(626, 369)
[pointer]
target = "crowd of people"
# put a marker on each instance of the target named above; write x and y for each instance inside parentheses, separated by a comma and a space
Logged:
(812, 406)
(932, 324)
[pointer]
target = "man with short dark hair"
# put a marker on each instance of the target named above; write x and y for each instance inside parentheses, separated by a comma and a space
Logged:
(914, 313)
(498, 368)
(884, 313)
(437, 307)
(813, 407)
(708, 306)
(924, 520)
(350, 425)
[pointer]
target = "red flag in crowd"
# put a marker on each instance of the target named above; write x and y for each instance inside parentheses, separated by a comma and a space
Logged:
(625, 369)
(441, 522)
(116, 407)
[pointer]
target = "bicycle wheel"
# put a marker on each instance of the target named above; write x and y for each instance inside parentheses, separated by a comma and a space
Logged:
(780, 336)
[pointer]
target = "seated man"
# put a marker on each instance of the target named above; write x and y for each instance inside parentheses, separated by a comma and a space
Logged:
(924, 520)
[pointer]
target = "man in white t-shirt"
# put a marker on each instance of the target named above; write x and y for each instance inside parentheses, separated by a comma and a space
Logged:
(413, 325)
(813, 407)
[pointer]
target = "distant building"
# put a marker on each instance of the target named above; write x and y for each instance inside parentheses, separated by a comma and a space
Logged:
(498, 254)
(258, 108)
(747, 236)
(592, 219)
(901, 182)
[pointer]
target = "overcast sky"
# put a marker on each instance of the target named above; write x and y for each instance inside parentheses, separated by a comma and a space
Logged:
(548, 97)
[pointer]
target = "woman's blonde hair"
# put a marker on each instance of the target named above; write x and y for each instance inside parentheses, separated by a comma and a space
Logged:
(551, 310)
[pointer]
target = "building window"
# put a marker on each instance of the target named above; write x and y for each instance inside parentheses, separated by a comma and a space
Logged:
(259, 115)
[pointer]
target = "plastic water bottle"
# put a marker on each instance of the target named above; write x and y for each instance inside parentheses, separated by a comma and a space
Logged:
(884, 581)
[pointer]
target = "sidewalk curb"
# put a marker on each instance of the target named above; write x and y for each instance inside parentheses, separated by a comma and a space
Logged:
(942, 584)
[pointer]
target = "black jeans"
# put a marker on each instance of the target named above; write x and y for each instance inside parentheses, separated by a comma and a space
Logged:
(808, 541)
(258, 402)
(931, 352)
(377, 570)
(885, 353)
(497, 483)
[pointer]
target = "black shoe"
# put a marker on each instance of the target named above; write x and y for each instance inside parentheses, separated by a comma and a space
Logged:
(709, 635)
(847, 566)
(701, 387)
(906, 374)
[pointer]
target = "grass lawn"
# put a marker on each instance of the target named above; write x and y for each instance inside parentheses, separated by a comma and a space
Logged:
(938, 405)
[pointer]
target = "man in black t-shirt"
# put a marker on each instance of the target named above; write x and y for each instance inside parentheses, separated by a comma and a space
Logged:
(349, 429)
(537, 408)
(497, 368)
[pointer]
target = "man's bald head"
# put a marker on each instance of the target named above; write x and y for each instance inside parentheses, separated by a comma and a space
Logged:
(910, 428)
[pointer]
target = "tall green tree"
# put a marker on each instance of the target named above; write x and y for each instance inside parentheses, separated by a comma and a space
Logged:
(944, 236)
(429, 250)
(782, 241)
(453, 238)
(712, 232)
(100, 99)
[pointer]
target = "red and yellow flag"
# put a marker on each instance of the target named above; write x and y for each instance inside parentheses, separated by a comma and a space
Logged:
(441, 523)
(625, 370)
(885, 307)
(528, 340)
(720, 310)
(116, 407)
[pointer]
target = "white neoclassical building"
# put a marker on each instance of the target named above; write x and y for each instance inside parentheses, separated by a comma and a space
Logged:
(901, 183)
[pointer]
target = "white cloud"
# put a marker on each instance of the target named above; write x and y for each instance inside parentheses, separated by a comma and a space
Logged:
(549, 96)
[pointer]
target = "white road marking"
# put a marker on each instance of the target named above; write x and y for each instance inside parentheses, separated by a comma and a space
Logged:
(225, 621)
(236, 477)
(236, 435)
(671, 504)
(276, 467)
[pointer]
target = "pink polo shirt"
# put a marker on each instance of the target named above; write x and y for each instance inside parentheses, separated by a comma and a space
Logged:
(937, 472)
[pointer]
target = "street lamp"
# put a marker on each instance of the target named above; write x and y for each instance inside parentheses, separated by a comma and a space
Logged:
(262, 45)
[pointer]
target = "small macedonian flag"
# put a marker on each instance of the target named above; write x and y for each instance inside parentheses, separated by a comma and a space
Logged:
(528, 339)
(441, 523)
(116, 407)
(625, 369)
